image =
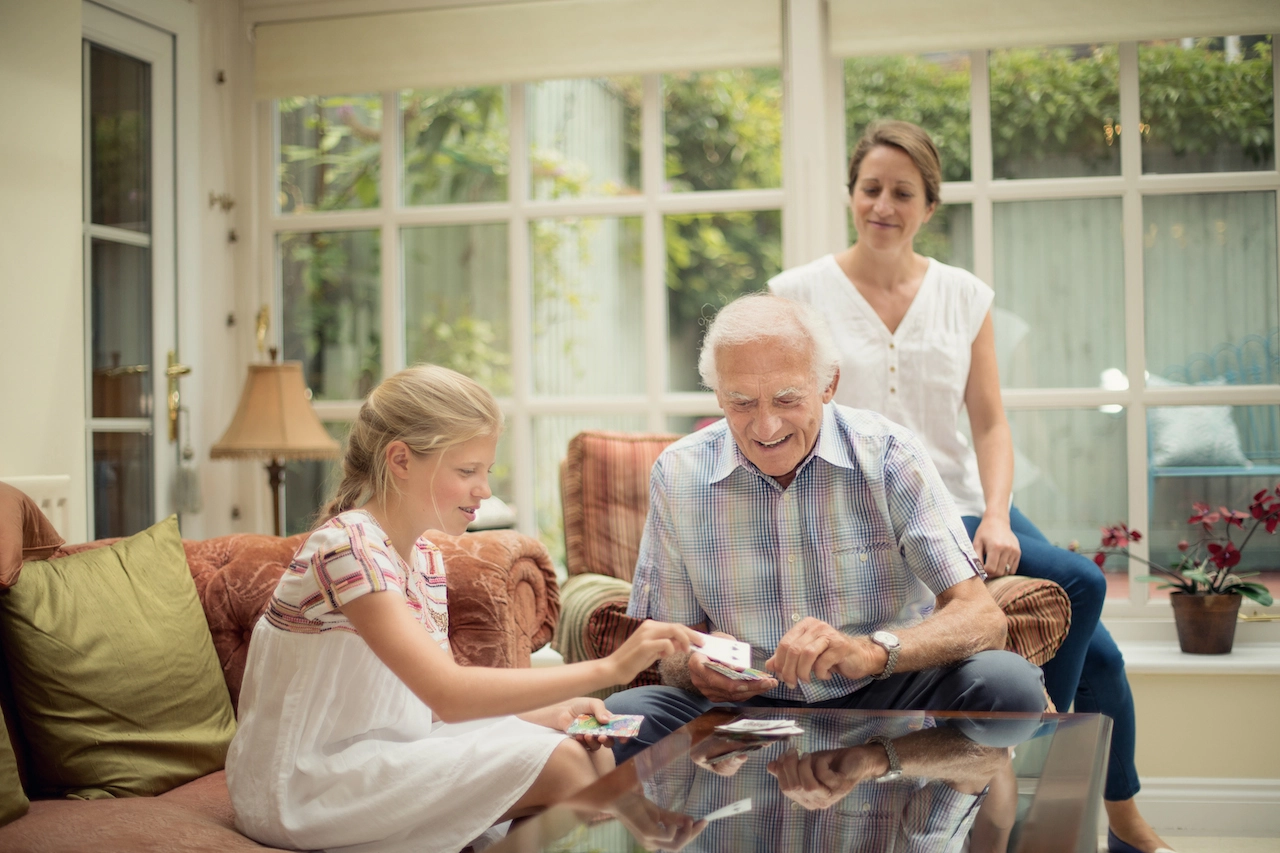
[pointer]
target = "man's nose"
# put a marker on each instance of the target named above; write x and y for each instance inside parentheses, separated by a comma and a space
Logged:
(769, 424)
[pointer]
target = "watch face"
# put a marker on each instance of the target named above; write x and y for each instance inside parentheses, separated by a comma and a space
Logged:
(884, 638)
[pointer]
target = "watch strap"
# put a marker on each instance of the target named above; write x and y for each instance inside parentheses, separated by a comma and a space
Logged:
(895, 764)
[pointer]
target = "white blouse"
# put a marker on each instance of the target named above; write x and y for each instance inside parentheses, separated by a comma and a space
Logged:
(915, 376)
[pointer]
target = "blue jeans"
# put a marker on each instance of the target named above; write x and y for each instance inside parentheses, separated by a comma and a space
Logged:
(988, 681)
(1088, 669)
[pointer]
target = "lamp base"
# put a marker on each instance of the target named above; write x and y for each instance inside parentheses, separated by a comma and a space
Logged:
(275, 479)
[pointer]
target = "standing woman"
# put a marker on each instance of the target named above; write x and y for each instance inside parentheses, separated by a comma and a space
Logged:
(917, 345)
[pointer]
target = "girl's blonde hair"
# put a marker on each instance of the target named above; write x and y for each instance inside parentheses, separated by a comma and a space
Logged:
(429, 408)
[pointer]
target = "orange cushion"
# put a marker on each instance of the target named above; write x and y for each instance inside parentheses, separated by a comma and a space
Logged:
(25, 534)
(604, 489)
(1038, 612)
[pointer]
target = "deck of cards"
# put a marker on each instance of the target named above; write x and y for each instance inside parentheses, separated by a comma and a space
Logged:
(746, 727)
(620, 725)
(747, 674)
(731, 653)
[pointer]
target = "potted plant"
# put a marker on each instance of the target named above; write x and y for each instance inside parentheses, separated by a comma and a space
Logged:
(1206, 592)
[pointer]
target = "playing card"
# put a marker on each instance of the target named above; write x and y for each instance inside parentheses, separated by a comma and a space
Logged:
(744, 748)
(760, 728)
(731, 652)
(730, 810)
(745, 675)
(622, 725)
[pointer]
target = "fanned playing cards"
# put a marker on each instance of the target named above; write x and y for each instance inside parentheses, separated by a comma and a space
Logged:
(620, 725)
(755, 728)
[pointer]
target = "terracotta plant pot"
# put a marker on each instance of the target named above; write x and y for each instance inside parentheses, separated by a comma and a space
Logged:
(1206, 623)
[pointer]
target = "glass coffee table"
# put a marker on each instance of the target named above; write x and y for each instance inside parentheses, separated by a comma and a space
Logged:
(1003, 783)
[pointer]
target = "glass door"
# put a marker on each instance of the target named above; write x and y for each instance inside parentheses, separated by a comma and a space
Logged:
(129, 271)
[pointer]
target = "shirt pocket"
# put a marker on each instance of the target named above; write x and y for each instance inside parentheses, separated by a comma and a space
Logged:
(864, 579)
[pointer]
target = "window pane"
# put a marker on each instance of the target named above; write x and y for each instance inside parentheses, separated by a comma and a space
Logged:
(1208, 105)
(713, 258)
(723, 129)
(1059, 282)
(120, 295)
(455, 145)
(329, 152)
(1209, 265)
(584, 137)
(1054, 111)
(119, 140)
(329, 289)
(551, 434)
(122, 483)
(587, 301)
(931, 91)
(947, 236)
(455, 300)
(1070, 475)
(1223, 438)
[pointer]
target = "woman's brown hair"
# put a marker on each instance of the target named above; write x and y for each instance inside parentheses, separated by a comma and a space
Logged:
(911, 140)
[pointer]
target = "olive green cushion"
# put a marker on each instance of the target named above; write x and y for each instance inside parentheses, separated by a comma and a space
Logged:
(13, 800)
(114, 672)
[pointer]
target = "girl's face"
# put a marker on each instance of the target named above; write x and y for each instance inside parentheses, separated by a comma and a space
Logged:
(888, 199)
(447, 487)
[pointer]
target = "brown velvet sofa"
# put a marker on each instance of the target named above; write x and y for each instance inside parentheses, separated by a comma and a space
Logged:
(503, 604)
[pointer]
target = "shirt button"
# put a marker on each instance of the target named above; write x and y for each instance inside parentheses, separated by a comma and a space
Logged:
(795, 617)
(866, 807)
(862, 557)
(791, 558)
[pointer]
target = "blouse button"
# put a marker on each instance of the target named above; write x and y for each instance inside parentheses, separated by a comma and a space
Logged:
(891, 345)
(893, 390)
(893, 369)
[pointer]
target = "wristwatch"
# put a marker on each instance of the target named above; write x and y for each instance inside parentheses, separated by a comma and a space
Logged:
(895, 766)
(888, 642)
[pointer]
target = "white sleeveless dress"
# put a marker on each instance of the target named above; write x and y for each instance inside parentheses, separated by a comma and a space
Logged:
(333, 751)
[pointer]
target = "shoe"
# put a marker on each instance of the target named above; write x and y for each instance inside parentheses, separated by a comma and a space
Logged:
(1115, 845)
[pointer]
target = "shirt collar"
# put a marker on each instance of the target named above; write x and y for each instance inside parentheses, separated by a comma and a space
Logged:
(828, 447)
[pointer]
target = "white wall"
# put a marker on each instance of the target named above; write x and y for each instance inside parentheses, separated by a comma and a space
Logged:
(42, 374)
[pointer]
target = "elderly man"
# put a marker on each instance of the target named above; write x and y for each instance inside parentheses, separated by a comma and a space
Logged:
(820, 535)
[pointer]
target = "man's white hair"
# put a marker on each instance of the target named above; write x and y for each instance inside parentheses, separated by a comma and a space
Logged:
(765, 317)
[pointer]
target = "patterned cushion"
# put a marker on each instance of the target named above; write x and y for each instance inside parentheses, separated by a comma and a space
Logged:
(604, 489)
(1039, 614)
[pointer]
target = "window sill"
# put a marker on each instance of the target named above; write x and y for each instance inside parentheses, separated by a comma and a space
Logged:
(1165, 658)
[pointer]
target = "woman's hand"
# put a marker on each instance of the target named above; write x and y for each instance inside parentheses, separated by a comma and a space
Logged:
(997, 547)
(650, 642)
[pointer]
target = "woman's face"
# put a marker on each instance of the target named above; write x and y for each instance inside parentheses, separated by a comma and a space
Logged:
(888, 200)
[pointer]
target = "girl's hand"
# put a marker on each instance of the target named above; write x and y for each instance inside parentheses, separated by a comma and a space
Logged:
(566, 712)
(997, 547)
(650, 642)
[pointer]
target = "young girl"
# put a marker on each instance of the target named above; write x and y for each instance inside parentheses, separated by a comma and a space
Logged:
(356, 725)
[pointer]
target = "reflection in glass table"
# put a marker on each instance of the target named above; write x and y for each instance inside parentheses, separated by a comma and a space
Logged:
(999, 782)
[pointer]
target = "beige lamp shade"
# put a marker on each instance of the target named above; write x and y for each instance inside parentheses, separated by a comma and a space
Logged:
(274, 419)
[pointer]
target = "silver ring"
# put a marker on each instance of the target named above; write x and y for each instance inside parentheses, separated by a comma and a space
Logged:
(1008, 567)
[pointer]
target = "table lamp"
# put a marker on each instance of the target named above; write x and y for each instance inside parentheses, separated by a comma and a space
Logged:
(274, 421)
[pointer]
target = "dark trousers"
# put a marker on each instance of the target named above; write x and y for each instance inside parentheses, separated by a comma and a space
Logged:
(988, 681)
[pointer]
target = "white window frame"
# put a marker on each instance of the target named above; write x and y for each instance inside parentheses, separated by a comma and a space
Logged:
(1130, 186)
(656, 403)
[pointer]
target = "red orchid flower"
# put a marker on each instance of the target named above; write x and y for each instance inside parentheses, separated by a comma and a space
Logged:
(1233, 516)
(1099, 558)
(1224, 556)
(1202, 515)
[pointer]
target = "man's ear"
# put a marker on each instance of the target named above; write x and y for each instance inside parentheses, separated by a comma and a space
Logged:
(829, 394)
(397, 455)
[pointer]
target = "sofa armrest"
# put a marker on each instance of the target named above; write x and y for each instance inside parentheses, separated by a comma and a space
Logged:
(503, 596)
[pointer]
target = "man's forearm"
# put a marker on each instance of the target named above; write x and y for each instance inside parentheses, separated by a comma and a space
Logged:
(957, 630)
(674, 671)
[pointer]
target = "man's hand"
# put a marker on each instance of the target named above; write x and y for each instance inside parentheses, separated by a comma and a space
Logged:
(722, 688)
(812, 647)
(819, 780)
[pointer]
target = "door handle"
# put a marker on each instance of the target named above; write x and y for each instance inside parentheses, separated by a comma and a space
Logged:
(174, 371)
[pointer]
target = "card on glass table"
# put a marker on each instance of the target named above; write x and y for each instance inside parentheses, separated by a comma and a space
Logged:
(620, 725)
(723, 650)
(755, 728)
